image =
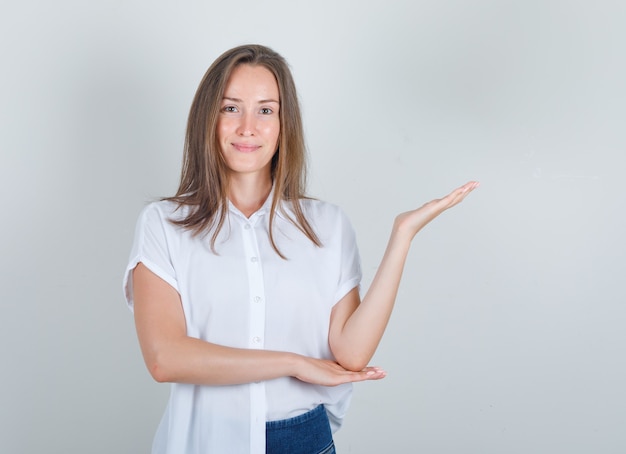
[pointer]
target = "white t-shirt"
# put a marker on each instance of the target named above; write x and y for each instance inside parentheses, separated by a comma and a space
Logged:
(246, 296)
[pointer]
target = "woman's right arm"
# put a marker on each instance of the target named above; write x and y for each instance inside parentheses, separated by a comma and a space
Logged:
(172, 356)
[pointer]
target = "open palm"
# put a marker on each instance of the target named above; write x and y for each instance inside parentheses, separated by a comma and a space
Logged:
(413, 221)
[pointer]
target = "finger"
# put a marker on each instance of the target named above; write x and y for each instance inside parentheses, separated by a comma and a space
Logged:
(369, 373)
(372, 369)
(461, 192)
(374, 373)
(470, 186)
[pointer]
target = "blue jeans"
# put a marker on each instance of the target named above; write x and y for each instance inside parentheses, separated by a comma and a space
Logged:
(305, 434)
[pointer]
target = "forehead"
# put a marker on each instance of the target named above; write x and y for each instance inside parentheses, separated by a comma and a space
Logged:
(252, 82)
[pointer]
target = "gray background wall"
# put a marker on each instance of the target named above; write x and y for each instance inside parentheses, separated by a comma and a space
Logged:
(508, 335)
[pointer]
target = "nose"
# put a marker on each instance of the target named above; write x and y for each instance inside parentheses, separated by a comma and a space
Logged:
(247, 126)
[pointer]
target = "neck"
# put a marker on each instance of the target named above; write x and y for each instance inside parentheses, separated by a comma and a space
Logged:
(249, 194)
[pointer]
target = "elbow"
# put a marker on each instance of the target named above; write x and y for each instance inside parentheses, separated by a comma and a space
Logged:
(352, 361)
(349, 357)
(354, 366)
(166, 360)
(158, 367)
(158, 374)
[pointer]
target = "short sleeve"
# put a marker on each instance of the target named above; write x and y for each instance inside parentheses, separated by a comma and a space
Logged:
(350, 272)
(152, 247)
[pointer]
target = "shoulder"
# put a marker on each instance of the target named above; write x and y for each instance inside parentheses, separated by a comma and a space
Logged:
(155, 219)
(325, 215)
(163, 210)
(319, 209)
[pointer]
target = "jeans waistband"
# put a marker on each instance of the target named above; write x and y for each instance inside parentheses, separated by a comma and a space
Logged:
(296, 420)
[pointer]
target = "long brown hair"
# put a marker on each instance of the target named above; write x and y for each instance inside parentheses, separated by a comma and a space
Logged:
(204, 176)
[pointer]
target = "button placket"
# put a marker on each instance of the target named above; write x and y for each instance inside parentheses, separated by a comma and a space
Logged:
(256, 288)
(256, 333)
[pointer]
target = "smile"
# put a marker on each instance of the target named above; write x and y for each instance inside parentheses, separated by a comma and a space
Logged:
(245, 147)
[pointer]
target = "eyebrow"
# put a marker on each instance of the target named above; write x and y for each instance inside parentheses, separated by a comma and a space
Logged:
(262, 101)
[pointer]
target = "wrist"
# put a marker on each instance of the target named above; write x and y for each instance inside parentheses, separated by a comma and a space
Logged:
(293, 363)
(401, 235)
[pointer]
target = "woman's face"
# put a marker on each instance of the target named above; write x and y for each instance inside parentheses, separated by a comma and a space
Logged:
(248, 125)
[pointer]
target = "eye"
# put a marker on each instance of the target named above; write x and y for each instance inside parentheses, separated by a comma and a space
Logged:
(266, 111)
(229, 109)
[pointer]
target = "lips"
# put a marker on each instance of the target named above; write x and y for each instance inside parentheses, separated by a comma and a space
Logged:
(245, 147)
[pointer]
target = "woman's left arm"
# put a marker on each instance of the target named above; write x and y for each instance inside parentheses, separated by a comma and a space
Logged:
(356, 327)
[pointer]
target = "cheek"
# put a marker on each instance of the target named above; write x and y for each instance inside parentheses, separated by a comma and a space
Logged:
(273, 132)
(221, 130)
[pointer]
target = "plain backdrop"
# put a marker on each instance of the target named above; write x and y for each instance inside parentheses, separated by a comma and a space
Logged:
(509, 331)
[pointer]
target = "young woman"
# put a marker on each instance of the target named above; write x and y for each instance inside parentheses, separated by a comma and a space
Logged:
(245, 291)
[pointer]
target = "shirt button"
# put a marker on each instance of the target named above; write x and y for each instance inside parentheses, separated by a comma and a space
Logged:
(257, 299)
(254, 259)
(247, 227)
(256, 339)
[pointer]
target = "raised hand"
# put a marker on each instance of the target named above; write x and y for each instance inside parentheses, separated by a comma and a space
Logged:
(411, 222)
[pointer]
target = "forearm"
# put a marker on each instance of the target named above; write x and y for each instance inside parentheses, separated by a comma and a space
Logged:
(197, 362)
(191, 360)
(356, 343)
